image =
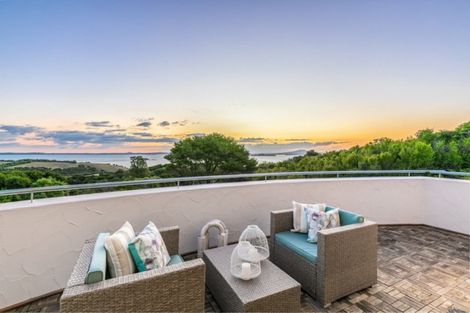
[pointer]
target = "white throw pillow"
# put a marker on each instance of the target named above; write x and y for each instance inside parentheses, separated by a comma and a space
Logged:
(117, 254)
(321, 220)
(300, 215)
(148, 249)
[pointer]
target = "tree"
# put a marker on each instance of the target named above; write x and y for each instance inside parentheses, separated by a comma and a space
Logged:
(312, 152)
(139, 167)
(48, 181)
(212, 154)
(415, 154)
(447, 155)
(17, 181)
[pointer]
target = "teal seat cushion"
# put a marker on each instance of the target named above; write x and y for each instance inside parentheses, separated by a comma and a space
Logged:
(297, 242)
(346, 217)
(175, 259)
(97, 270)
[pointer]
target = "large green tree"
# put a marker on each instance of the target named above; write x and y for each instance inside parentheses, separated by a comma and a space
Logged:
(212, 154)
(139, 168)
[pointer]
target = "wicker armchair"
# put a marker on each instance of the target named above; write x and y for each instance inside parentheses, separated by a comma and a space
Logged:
(175, 288)
(346, 259)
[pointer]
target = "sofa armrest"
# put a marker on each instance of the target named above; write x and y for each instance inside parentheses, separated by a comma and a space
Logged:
(347, 260)
(171, 237)
(80, 269)
(281, 220)
(177, 288)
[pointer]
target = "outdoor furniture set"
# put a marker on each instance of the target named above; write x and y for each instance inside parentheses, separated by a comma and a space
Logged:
(333, 258)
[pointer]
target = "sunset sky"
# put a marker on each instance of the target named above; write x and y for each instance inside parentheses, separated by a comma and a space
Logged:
(137, 75)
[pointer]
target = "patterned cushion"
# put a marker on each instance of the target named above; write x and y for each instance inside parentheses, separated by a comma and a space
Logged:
(148, 249)
(118, 257)
(300, 215)
(318, 220)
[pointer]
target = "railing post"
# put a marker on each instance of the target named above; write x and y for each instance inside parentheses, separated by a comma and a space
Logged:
(337, 175)
(265, 178)
(32, 197)
(178, 184)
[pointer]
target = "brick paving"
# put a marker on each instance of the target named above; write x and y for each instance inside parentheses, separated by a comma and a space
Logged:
(420, 269)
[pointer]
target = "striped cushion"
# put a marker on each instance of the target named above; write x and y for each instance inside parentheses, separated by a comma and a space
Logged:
(119, 259)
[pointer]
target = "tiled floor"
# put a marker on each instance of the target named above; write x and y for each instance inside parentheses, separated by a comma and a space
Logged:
(421, 269)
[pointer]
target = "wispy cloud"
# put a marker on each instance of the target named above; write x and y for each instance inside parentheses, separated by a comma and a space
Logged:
(81, 137)
(28, 135)
(296, 139)
(251, 139)
(195, 135)
(142, 134)
(164, 124)
(180, 123)
(100, 124)
(10, 133)
(116, 130)
(145, 124)
(103, 137)
(18, 129)
(327, 143)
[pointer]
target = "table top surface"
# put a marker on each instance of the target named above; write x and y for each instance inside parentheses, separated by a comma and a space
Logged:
(271, 280)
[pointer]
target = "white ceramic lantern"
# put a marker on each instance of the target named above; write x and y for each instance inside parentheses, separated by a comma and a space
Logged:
(259, 249)
(242, 268)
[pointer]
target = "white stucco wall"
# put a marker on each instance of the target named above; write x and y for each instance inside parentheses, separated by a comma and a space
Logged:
(447, 204)
(40, 241)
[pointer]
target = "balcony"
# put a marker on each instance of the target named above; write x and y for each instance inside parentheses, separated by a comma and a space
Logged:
(423, 238)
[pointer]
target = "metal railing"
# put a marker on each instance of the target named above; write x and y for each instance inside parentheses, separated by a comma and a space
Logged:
(215, 178)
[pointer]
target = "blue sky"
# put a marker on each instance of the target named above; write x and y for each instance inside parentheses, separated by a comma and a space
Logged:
(273, 74)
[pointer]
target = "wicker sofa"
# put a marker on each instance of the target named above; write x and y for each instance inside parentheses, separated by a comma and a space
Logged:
(343, 261)
(174, 288)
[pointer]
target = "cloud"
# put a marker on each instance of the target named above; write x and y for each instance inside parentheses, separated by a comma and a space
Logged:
(180, 123)
(195, 135)
(80, 137)
(296, 139)
(98, 124)
(142, 134)
(18, 130)
(144, 124)
(327, 143)
(28, 135)
(251, 139)
(10, 133)
(164, 124)
(116, 130)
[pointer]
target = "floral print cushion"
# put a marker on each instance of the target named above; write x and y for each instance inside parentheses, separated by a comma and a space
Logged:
(318, 220)
(148, 249)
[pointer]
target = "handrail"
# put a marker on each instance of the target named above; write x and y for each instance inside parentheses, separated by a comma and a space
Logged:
(178, 180)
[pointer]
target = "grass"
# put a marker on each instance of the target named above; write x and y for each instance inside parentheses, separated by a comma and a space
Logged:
(66, 165)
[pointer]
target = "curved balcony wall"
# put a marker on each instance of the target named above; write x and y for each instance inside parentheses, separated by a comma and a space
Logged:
(40, 241)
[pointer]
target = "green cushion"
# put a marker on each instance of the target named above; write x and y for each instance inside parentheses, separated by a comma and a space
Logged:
(346, 217)
(175, 259)
(297, 242)
(97, 269)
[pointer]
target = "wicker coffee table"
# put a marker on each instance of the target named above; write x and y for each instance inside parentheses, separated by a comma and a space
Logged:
(272, 291)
